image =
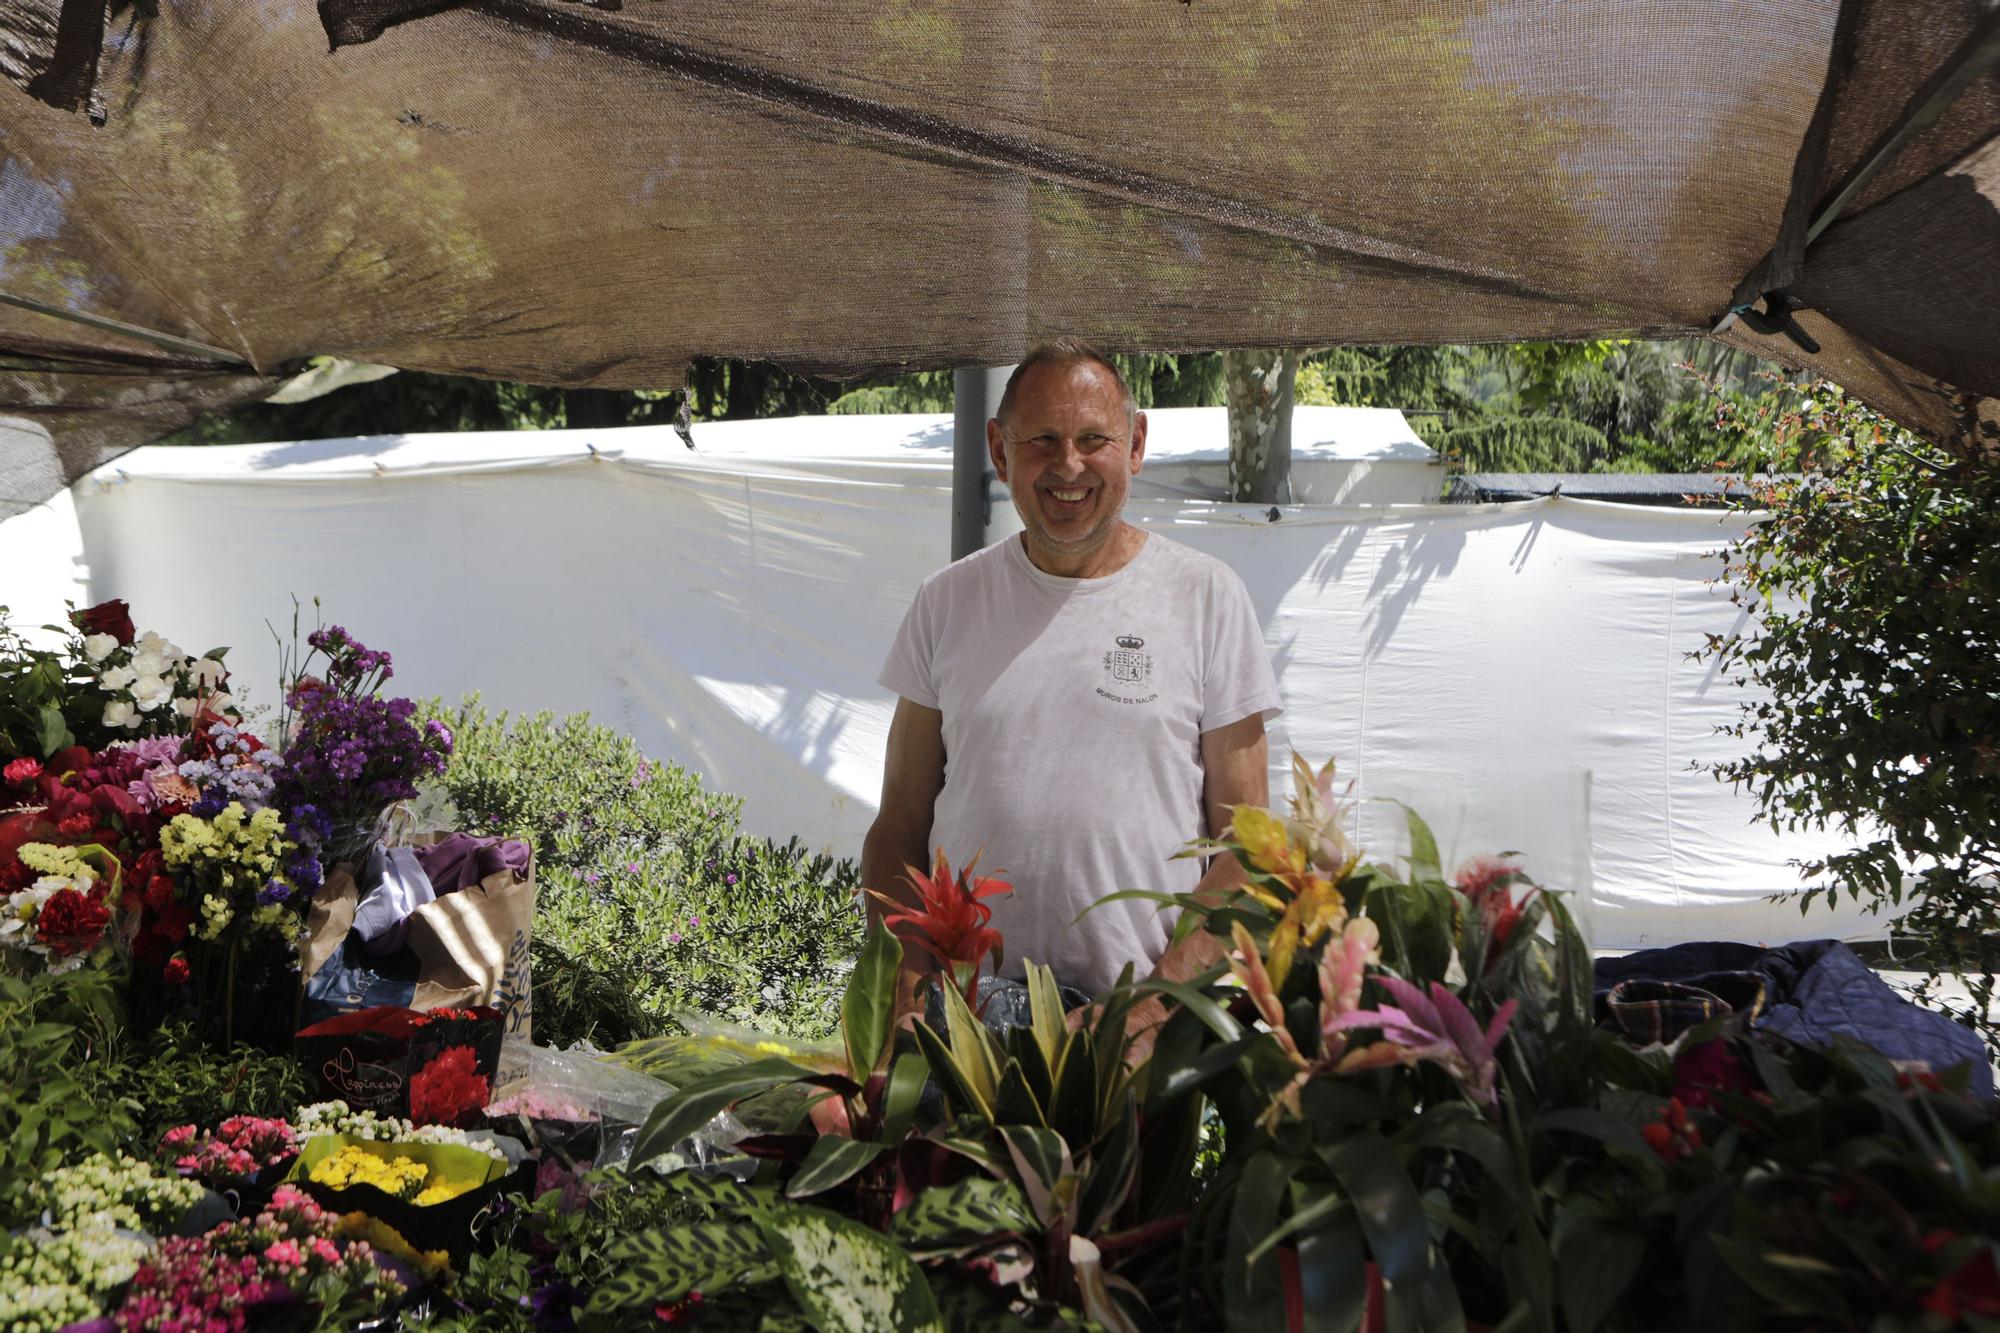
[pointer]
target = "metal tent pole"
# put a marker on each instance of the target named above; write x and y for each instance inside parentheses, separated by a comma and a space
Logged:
(975, 398)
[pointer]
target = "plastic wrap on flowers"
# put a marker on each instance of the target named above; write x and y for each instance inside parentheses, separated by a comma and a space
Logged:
(430, 1194)
(436, 1066)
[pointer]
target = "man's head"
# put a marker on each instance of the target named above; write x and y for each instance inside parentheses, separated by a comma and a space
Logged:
(1067, 440)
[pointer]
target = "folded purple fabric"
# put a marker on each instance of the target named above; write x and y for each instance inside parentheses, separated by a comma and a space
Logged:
(461, 860)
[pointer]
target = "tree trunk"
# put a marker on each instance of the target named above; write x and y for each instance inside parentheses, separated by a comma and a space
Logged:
(1259, 387)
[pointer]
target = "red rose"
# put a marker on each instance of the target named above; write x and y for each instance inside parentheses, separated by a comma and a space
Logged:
(112, 617)
(71, 922)
(22, 770)
(176, 970)
(76, 828)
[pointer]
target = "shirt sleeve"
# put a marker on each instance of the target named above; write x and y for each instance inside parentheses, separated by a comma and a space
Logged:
(1238, 681)
(908, 671)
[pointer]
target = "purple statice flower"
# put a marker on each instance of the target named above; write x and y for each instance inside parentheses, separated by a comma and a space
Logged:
(302, 869)
(355, 753)
(212, 803)
(274, 891)
(309, 826)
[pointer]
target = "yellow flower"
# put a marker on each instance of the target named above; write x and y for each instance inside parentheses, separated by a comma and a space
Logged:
(353, 1165)
(1317, 908)
(52, 860)
(1264, 839)
(380, 1235)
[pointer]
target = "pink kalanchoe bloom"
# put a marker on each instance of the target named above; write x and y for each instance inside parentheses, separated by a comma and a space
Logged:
(285, 1252)
(325, 1249)
(1439, 1028)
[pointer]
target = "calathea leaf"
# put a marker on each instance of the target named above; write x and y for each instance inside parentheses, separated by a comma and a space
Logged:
(660, 1266)
(847, 1278)
(974, 1209)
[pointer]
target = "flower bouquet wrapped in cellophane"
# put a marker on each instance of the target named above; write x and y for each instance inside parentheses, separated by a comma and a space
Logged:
(428, 1193)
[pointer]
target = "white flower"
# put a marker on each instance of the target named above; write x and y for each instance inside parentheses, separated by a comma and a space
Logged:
(118, 677)
(153, 655)
(208, 673)
(120, 713)
(185, 706)
(149, 692)
(97, 647)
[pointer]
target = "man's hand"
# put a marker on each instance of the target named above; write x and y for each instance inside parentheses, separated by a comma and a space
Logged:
(1142, 1022)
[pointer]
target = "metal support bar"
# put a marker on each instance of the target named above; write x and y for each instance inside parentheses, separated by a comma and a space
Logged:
(1776, 270)
(167, 340)
(975, 398)
(1974, 56)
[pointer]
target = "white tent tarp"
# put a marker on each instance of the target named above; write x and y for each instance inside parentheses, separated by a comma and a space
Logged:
(1520, 673)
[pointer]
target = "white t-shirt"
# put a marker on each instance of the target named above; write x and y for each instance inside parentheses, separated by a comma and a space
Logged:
(1073, 713)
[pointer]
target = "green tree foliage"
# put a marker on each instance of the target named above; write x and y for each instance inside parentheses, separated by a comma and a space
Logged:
(1600, 406)
(1871, 590)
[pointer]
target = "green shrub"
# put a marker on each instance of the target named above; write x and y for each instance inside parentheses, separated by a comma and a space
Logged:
(58, 1038)
(650, 897)
(173, 1078)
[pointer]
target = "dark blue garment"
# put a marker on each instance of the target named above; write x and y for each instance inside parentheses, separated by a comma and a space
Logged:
(1818, 990)
(352, 980)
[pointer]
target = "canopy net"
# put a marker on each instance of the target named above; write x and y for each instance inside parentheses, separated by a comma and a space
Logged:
(194, 197)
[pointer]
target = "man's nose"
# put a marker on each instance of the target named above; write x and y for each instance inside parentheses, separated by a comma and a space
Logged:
(1069, 459)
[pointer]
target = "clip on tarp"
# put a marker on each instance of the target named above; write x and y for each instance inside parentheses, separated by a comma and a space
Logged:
(1777, 317)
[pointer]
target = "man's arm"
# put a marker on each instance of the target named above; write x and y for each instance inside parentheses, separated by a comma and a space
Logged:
(912, 777)
(1234, 772)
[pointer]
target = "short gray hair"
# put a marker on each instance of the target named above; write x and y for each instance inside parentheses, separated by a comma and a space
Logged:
(1064, 351)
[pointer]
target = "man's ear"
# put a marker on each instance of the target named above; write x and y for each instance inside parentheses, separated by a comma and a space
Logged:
(996, 448)
(1138, 441)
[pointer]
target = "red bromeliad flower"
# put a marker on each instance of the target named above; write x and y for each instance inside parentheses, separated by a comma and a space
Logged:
(1673, 1135)
(950, 922)
(1971, 1289)
(1488, 884)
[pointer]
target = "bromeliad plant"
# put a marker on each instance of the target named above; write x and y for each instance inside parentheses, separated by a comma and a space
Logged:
(1420, 1124)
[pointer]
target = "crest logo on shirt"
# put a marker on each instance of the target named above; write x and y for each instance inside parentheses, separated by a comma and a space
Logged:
(1128, 663)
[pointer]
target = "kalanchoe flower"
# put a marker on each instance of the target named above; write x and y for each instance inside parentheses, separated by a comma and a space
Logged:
(949, 922)
(1438, 1028)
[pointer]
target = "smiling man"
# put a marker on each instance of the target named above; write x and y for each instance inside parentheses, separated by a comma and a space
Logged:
(1077, 704)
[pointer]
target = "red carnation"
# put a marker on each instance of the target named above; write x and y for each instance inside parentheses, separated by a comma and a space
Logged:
(76, 828)
(176, 970)
(22, 770)
(71, 922)
(449, 1090)
(112, 617)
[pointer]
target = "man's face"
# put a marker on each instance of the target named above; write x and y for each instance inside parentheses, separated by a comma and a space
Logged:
(1068, 453)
